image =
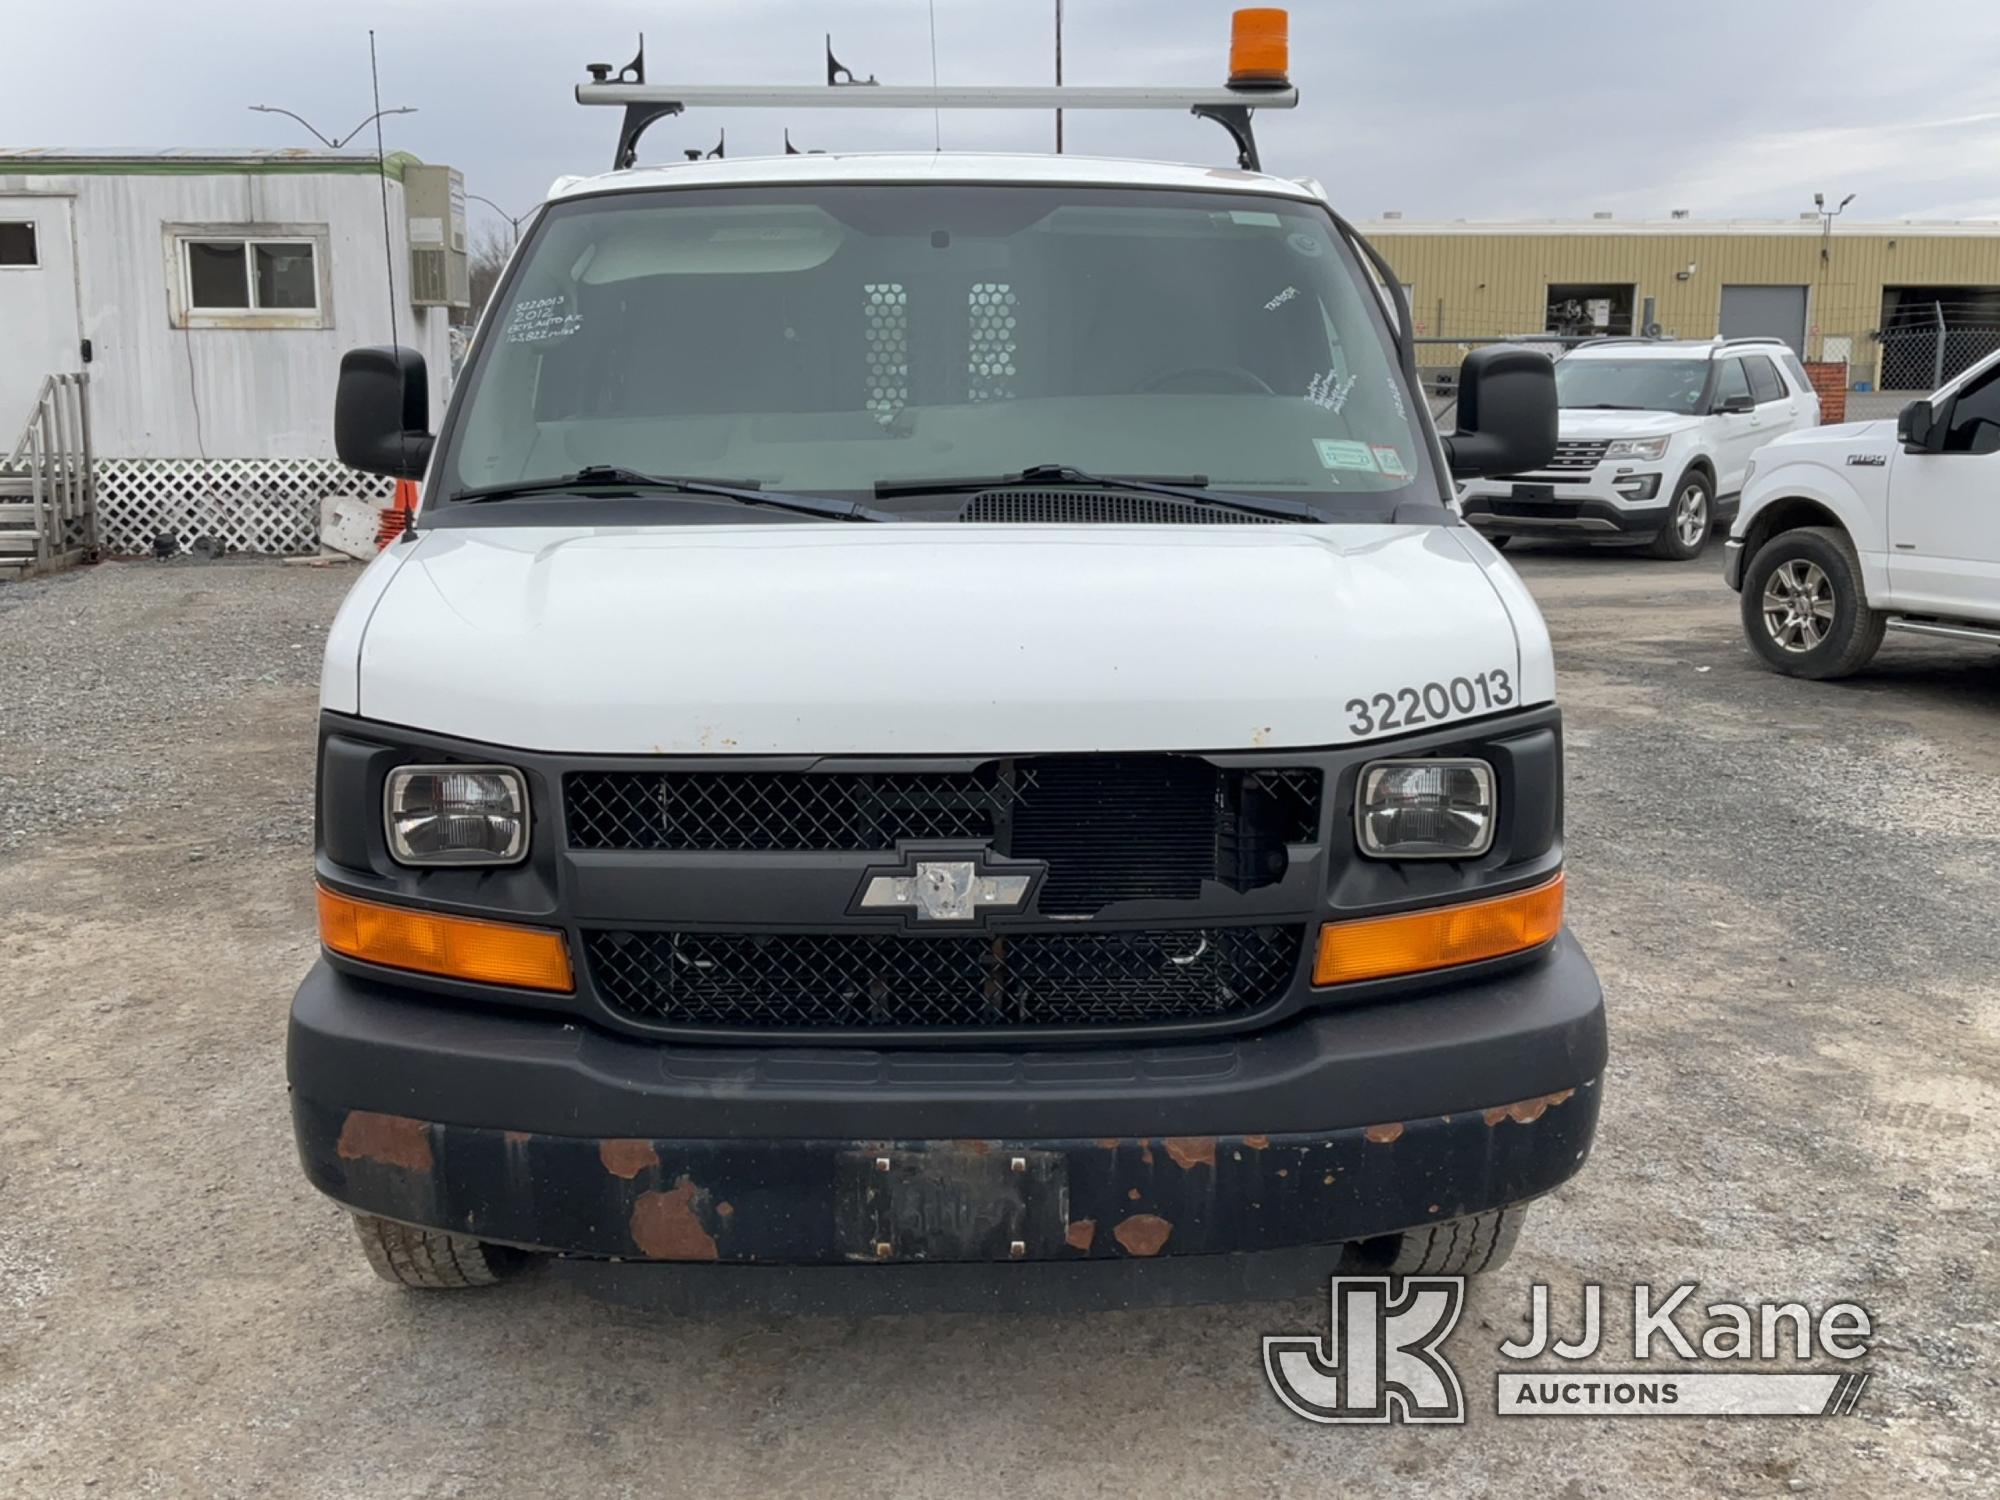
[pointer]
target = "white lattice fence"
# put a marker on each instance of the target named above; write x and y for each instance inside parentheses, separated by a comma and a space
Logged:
(267, 505)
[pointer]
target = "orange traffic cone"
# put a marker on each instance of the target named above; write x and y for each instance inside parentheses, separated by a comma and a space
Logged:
(396, 515)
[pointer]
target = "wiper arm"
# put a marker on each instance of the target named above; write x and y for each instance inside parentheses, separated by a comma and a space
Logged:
(1192, 487)
(612, 477)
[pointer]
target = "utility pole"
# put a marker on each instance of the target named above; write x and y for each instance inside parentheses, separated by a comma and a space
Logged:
(1826, 218)
(1058, 74)
(513, 220)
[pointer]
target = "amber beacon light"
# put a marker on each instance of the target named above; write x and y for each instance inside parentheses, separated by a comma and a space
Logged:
(1439, 937)
(1260, 47)
(427, 942)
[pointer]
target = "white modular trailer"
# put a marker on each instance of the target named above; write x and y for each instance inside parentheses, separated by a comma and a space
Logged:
(208, 296)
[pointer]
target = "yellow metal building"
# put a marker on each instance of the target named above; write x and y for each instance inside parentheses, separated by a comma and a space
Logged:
(1874, 295)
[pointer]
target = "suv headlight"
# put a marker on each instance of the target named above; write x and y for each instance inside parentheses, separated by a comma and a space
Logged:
(1648, 448)
(1425, 809)
(456, 815)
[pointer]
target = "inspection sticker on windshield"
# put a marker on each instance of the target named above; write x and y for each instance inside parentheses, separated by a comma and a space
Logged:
(1340, 453)
(1389, 460)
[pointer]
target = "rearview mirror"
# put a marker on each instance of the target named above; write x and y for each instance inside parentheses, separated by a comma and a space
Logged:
(1916, 425)
(1736, 406)
(381, 412)
(1506, 413)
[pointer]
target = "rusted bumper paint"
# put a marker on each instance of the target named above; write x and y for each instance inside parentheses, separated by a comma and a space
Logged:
(823, 1202)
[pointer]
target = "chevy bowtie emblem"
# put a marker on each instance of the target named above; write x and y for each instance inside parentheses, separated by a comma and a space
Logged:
(948, 890)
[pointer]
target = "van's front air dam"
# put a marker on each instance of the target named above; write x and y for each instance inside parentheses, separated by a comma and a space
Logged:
(817, 1202)
(1343, 1124)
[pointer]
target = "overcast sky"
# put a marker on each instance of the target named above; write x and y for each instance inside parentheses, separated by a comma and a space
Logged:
(1443, 109)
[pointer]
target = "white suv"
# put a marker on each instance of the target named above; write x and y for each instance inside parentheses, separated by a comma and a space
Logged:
(1656, 438)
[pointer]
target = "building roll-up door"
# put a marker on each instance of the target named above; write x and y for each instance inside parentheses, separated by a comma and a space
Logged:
(1765, 312)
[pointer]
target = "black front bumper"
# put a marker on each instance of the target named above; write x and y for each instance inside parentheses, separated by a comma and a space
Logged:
(1342, 1124)
(1580, 519)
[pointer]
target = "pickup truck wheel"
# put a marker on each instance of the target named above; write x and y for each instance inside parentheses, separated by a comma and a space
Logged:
(1457, 1247)
(1689, 518)
(1803, 606)
(427, 1258)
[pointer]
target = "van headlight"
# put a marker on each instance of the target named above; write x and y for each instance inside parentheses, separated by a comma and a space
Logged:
(456, 815)
(1425, 809)
(1647, 448)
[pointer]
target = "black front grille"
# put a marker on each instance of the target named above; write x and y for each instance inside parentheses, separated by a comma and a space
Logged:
(1102, 508)
(782, 981)
(788, 810)
(1125, 828)
(1112, 828)
(1580, 454)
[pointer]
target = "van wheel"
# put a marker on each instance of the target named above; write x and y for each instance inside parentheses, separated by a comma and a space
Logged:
(1803, 606)
(1457, 1247)
(1689, 518)
(1499, 543)
(428, 1258)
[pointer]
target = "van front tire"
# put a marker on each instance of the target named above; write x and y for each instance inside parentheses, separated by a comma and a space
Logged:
(428, 1259)
(1457, 1247)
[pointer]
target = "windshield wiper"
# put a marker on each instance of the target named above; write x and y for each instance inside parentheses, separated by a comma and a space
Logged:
(1192, 487)
(612, 477)
(1606, 406)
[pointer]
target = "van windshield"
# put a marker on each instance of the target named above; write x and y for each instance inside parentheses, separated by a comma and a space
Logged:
(827, 339)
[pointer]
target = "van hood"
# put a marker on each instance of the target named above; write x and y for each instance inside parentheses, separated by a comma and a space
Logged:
(1574, 424)
(813, 639)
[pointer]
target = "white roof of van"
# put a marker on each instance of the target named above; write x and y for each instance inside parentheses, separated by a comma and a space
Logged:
(936, 166)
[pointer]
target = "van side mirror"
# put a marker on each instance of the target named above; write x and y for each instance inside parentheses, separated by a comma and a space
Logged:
(1506, 413)
(381, 412)
(1917, 425)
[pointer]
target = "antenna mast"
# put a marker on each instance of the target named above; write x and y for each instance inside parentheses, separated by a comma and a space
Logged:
(1058, 74)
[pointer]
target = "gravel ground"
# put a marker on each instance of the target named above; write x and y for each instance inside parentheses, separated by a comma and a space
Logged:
(1789, 889)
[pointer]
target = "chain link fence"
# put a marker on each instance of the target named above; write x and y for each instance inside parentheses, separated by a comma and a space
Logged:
(1923, 346)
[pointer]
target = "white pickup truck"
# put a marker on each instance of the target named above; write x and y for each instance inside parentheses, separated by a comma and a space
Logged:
(935, 735)
(1847, 532)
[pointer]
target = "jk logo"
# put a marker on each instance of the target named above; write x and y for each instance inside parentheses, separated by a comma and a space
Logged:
(1380, 1359)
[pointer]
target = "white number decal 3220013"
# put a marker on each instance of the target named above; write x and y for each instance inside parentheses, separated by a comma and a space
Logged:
(1406, 708)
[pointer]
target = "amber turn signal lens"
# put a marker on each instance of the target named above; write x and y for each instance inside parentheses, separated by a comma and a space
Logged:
(1260, 46)
(427, 942)
(1411, 942)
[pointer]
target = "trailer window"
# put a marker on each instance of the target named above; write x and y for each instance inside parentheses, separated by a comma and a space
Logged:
(251, 280)
(17, 245)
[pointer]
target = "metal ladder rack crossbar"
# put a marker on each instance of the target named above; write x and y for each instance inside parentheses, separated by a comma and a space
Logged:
(645, 103)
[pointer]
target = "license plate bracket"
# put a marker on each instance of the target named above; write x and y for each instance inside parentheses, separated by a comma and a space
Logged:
(1535, 494)
(950, 1201)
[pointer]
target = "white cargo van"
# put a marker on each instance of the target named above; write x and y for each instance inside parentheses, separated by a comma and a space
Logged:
(935, 732)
